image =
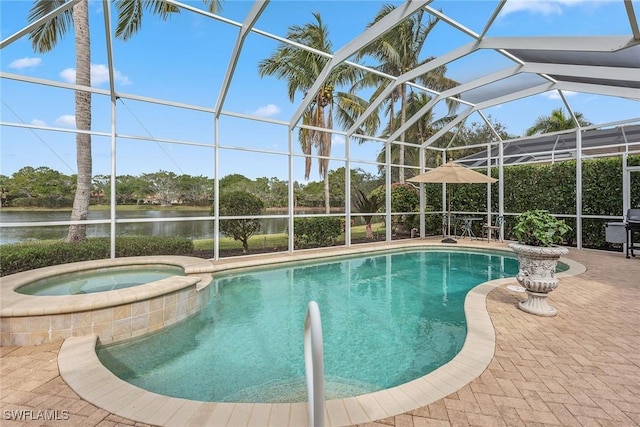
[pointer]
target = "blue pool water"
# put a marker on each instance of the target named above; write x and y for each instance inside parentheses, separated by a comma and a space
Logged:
(99, 280)
(387, 319)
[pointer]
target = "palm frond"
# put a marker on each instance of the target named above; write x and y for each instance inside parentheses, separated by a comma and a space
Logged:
(366, 204)
(214, 5)
(45, 37)
(130, 13)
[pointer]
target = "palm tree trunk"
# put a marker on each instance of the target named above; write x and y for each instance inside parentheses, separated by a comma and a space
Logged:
(369, 231)
(80, 209)
(327, 203)
(403, 119)
(326, 151)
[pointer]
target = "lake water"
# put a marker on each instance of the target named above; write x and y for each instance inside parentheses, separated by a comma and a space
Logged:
(196, 229)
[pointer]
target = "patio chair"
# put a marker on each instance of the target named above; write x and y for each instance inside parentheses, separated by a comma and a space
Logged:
(454, 225)
(488, 228)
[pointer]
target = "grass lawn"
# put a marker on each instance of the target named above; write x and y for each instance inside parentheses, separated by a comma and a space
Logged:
(279, 240)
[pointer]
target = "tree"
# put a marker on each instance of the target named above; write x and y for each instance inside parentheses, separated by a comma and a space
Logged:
(421, 130)
(100, 188)
(130, 13)
(163, 185)
(41, 186)
(194, 190)
(481, 133)
(234, 182)
(31, 182)
(367, 204)
(473, 134)
(240, 203)
(130, 188)
(556, 121)
(43, 39)
(272, 191)
(301, 69)
(5, 184)
(398, 51)
(359, 179)
(310, 195)
(404, 198)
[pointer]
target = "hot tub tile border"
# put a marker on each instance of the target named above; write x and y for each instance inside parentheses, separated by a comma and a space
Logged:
(114, 315)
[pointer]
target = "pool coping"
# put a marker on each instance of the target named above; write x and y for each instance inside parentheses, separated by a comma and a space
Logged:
(81, 369)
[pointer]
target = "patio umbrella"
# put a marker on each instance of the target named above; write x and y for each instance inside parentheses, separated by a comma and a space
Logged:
(452, 173)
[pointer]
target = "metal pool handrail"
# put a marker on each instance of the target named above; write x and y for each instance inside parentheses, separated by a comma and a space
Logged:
(314, 364)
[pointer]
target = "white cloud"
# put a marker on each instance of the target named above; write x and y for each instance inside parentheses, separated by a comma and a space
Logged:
(68, 75)
(337, 139)
(25, 63)
(553, 94)
(68, 120)
(267, 110)
(544, 7)
(38, 122)
(99, 75)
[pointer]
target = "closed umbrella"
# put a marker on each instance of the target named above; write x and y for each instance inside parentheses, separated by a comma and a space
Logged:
(452, 173)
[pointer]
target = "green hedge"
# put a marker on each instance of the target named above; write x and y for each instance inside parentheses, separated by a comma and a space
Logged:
(30, 255)
(551, 187)
(316, 231)
(404, 198)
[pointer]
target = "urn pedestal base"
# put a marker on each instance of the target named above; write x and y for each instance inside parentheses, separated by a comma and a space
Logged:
(536, 303)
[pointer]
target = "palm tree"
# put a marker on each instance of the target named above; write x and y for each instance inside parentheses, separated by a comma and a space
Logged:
(130, 13)
(44, 39)
(421, 130)
(367, 205)
(301, 68)
(556, 121)
(398, 51)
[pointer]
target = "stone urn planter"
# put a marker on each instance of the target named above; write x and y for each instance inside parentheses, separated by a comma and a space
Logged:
(537, 232)
(537, 274)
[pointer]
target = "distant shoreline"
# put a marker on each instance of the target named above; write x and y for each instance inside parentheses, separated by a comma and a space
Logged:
(158, 207)
(307, 209)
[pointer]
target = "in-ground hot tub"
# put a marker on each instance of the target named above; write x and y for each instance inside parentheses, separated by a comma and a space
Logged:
(169, 289)
(100, 280)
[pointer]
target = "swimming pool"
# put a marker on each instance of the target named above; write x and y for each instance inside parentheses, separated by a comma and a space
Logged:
(387, 319)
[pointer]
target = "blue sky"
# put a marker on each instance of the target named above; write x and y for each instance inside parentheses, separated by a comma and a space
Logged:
(185, 59)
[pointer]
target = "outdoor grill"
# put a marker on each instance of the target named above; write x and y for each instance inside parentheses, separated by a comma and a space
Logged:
(632, 226)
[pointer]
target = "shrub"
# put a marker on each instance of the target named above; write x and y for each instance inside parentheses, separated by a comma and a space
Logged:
(539, 228)
(404, 198)
(240, 203)
(18, 257)
(320, 231)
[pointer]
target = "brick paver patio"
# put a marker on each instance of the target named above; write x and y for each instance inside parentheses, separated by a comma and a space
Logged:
(579, 368)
